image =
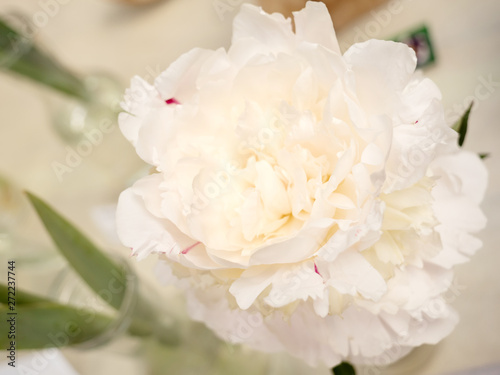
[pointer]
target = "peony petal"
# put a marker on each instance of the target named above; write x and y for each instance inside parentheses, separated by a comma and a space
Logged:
(468, 168)
(251, 283)
(139, 100)
(297, 282)
(414, 147)
(416, 98)
(382, 67)
(351, 273)
(314, 24)
(373, 155)
(180, 78)
(139, 229)
(271, 30)
(457, 247)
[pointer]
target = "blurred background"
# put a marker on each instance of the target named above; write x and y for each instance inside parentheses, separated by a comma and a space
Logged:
(103, 43)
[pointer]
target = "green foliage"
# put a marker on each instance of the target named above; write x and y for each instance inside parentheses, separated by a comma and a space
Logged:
(107, 278)
(19, 55)
(49, 324)
(461, 125)
(102, 274)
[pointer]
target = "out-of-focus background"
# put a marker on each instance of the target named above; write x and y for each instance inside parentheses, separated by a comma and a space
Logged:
(121, 39)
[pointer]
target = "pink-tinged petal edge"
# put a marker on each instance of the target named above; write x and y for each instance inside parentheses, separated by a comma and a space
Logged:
(172, 101)
(187, 249)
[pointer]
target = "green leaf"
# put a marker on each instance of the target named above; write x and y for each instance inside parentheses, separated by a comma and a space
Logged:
(19, 55)
(484, 155)
(102, 274)
(48, 312)
(461, 125)
(105, 277)
(20, 297)
(46, 324)
(344, 369)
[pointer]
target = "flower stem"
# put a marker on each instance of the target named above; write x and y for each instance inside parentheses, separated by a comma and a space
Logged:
(344, 369)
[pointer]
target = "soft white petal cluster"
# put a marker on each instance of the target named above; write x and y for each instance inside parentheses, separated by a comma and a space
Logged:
(306, 200)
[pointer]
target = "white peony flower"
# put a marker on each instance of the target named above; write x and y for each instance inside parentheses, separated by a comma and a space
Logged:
(306, 200)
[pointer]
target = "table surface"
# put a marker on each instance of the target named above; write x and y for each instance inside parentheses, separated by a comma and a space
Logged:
(93, 35)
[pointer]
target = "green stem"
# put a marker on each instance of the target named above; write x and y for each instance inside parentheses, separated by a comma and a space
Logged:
(140, 327)
(344, 369)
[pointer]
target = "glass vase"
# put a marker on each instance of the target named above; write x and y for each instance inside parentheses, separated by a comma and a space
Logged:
(196, 351)
(75, 119)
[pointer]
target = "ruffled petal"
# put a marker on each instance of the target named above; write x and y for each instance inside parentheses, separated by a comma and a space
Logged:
(380, 67)
(272, 31)
(314, 25)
